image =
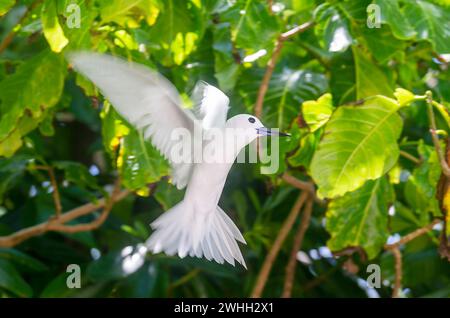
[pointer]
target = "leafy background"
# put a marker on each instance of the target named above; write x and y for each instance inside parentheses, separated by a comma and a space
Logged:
(367, 150)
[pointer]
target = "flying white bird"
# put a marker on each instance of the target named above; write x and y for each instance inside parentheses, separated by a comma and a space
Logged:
(196, 226)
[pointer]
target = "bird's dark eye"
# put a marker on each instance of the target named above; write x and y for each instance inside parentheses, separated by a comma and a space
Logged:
(252, 120)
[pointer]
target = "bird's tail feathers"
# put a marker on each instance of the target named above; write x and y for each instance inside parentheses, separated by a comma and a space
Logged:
(182, 231)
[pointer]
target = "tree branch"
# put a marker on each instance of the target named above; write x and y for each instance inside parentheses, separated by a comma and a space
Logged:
(272, 62)
(271, 256)
(398, 271)
(410, 157)
(302, 185)
(298, 241)
(437, 146)
(394, 248)
(57, 223)
(55, 193)
(411, 236)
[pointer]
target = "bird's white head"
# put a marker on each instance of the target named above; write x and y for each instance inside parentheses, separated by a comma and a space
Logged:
(250, 127)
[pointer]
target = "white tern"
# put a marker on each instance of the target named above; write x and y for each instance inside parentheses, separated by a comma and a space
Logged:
(196, 226)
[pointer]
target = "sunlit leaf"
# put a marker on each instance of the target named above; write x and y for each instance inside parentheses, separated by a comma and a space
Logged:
(359, 144)
(52, 29)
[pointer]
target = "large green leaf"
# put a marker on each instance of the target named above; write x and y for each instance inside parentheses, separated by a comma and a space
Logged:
(177, 30)
(392, 15)
(11, 280)
(22, 260)
(420, 189)
(253, 27)
(359, 144)
(25, 96)
(360, 218)
(332, 28)
(431, 23)
(370, 79)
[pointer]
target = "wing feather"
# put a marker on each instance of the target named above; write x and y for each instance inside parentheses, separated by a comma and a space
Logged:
(144, 98)
(210, 105)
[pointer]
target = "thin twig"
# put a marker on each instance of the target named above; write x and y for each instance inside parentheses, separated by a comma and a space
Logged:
(394, 248)
(436, 143)
(299, 184)
(266, 78)
(272, 255)
(302, 185)
(94, 224)
(298, 29)
(8, 38)
(410, 157)
(272, 62)
(398, 271)
(55, 192)
(298, 241)
(269, 5)
(411, 236)
(52, 224)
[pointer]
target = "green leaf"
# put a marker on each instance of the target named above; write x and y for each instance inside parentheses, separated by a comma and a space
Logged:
(288, 88)
(370, 79)
(22, 260)
(394, 17)
(382, 44)
(360, 218)
(431, 23)
(25, 96)
(53, 31)
(253, 27)
(332, 29)
(177, 30)
(226, 68)
(11, 171)
(317, 113)
(5, 5)
(305, 153)
(403, 96)
(420, 189)
(78, 174)
(359, 144)
(129, 13)
(11, 280)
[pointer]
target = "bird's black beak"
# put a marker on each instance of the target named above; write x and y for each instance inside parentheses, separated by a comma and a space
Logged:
(263, 131)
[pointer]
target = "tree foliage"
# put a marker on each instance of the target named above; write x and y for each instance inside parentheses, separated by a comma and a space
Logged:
(358, 99)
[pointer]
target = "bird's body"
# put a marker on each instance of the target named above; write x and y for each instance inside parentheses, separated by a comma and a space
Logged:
(196, 226)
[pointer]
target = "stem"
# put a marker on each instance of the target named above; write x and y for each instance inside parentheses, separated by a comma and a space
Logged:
(398, 271)
(435, 138)
(54, 224)
(55, 193)
(410, 157)
(297, 246)
(272, 255)
(272, 62)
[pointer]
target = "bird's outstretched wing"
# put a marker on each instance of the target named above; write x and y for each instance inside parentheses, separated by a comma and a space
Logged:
(210, 105)
(144, 98)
